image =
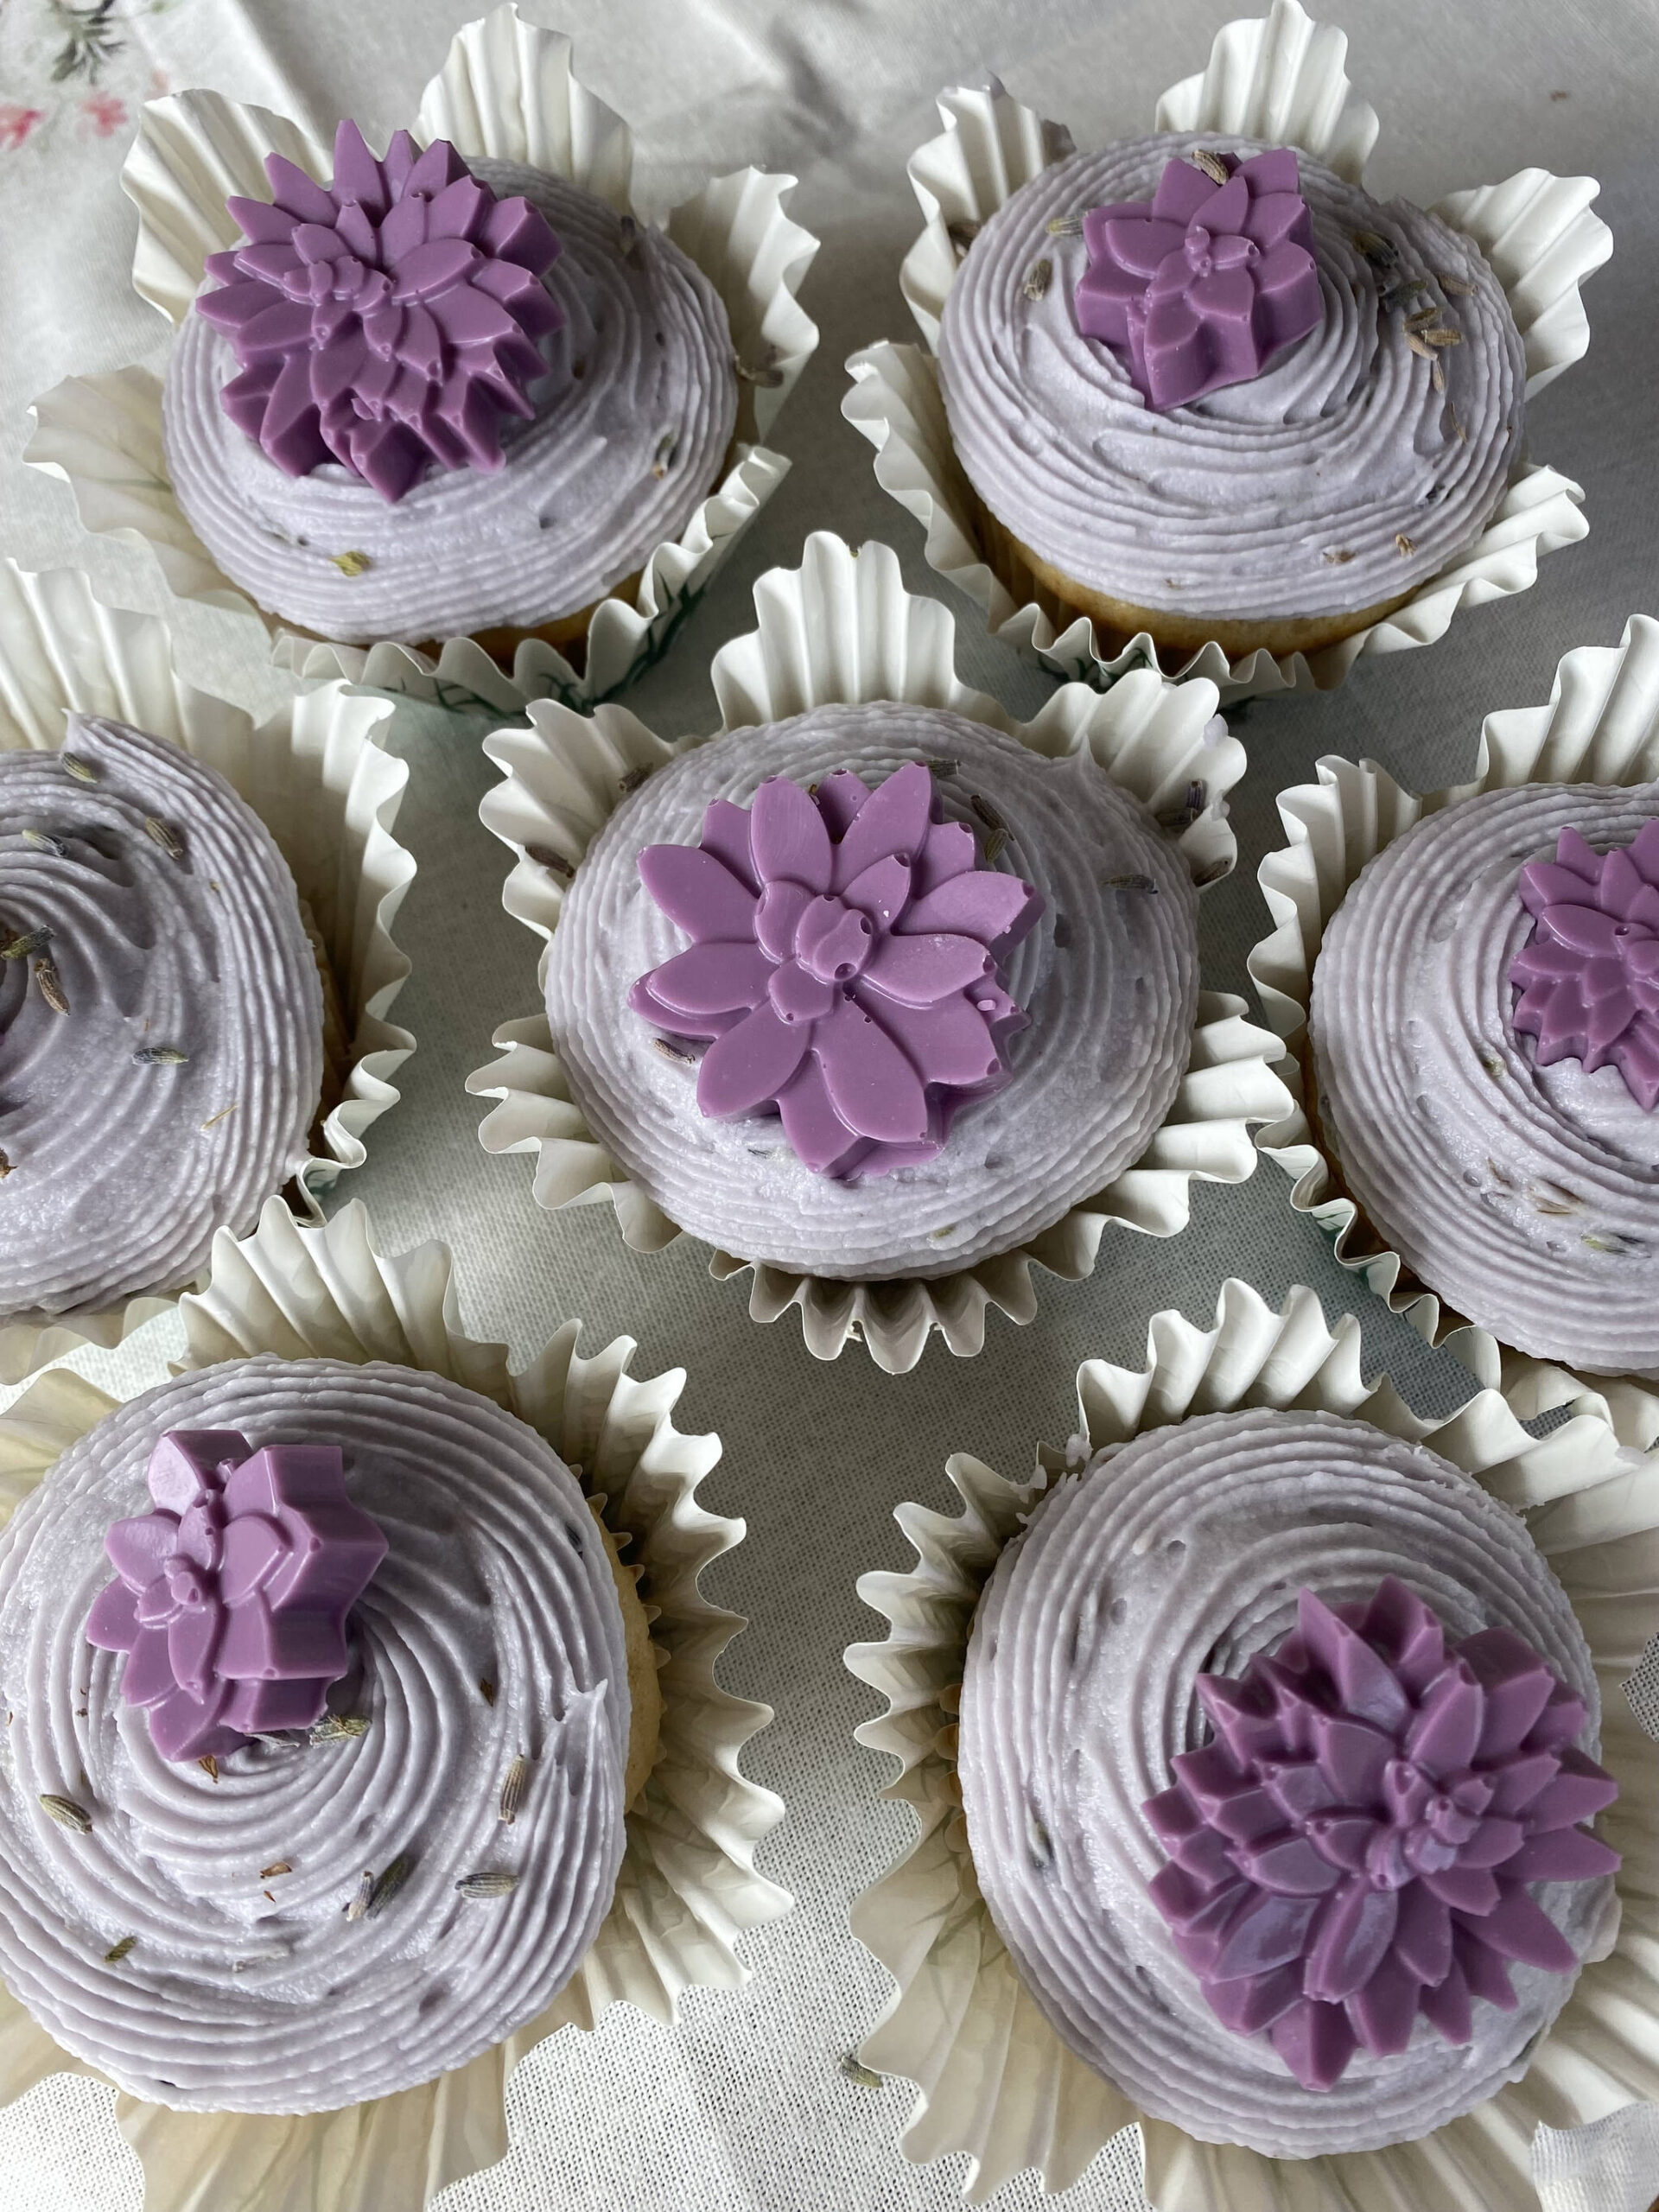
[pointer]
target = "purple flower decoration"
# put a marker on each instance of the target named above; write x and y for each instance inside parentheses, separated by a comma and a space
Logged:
(387, 320)
(233, 1594)
(1205, 282)
(1589, 976)
(1355, 1845)
(844, 959)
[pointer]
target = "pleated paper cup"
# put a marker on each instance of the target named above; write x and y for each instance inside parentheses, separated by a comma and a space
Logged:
(994, 2081)
(317, 774)
(505, 92)
(842, 628)
(1601, 726)
(687, 1889)
(1279, 78)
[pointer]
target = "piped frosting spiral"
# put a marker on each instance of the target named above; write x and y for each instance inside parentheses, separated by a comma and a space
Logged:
(1526, 1196)
(1338, 479)
(633, 421)
(265, 1973)
(175, 1094)
(1179, 1554)
(1108, 976)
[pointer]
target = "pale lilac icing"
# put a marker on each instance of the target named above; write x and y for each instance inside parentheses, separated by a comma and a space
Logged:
(1524, 1194)
(1348, 473)
(388, 320)
(842, 963)
(231, 1596)
(194, 1945)
(1183, 1553)
(1203, 283)
(1355, 1845)
(1589, 976)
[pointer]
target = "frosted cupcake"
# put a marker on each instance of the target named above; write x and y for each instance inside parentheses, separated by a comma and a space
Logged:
(447, 407)
(795, 978)
(1284, 1777)
(882, 996)
(1478, 1061)
(196, 968)
(412, 1692)
(425, 399)
(1199, 397)
(333, 1698)
(163, 1015)
(1204, 389)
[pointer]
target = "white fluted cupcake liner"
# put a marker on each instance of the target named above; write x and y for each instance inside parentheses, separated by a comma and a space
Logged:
(1281, 78)
(505, 91)
(316, 772)
(842, 627)
(687, 1889)
(1601, 726)
(994, 2081)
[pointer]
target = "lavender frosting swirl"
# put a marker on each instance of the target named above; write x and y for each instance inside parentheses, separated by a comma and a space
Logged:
(1527, 1197)
(120, 1170)
(1282, 496)
(231, 1999)
(1183, 1552)
(632, 427)
(1108, 976)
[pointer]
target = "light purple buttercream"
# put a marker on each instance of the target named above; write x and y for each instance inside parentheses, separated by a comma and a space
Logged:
(1589, 978)
(1203, 283)
(388, 320)
(1356, 1845)
(232, 1595)
(843, 963)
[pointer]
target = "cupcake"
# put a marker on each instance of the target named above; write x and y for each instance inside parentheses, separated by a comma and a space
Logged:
(436, 391)
(367, 1740)
(194, 962)
(1288, 1802)
(875, 993)
(1201, 390)
(1477, 1025)
(334, 1689)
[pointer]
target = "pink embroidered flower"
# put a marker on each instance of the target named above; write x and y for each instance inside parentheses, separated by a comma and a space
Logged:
(104, 113)
(233, 1594)
(844, 962)
(1205, 282)
(1588, 979)
(388, 320)
(1357, 1844)
(17, 122)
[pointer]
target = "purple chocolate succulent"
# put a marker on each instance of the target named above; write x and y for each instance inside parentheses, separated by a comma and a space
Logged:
(1203, 283)
(844, 960)
(233, 1594)
(387, 320)
(1356, 1844)
(1588, 977)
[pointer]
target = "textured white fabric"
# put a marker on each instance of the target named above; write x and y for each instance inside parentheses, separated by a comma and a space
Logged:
(745, 2108)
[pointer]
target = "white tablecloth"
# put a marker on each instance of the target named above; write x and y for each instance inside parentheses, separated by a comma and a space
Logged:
(745, 2108)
